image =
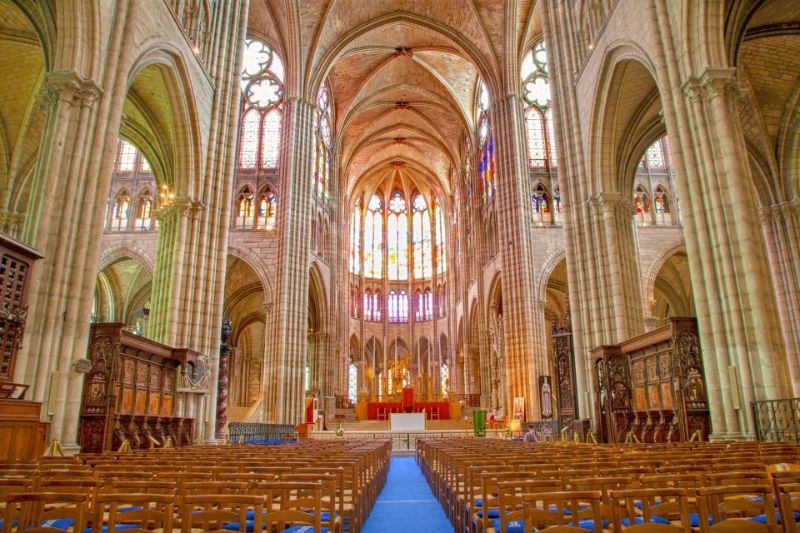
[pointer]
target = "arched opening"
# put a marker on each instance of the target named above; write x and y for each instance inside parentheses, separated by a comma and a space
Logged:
(23, 59)
(244, 307)
(122, 295)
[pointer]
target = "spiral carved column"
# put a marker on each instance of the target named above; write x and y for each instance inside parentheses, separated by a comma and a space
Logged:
(222, 383)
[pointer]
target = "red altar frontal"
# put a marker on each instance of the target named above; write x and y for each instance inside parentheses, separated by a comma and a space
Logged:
(432, 410)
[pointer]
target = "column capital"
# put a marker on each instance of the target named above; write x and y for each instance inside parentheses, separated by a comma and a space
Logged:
(69, 87)
(612, 203)
(181, 206)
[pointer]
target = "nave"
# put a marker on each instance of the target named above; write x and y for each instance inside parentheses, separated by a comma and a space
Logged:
(467, 485)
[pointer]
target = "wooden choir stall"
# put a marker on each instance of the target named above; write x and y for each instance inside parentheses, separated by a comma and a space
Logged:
(23, 436)
(130, 391)
(651, 388)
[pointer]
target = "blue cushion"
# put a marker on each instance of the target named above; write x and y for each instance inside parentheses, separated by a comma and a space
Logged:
(640, 520)
(58, 523)
(694, 519)
(478, 502)
(493, 513)
(762, 518)
(234, 526)
(304, 529)
(588, 524)
(129, 508)
(251, 514)
(515, 526)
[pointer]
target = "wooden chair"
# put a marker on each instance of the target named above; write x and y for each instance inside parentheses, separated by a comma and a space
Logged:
(511, 497)
(222, 513)
(135, 513)
(329, 516)
(789, 505)
(650, 510)
(45, 512)
(557, 512)
(298, 504)
(730, 508)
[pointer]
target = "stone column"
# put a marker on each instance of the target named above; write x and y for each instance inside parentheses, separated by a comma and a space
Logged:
(222, 379)
(781, 224)
(743, 353)
(285, 399)
(525, 359)
(67, 234)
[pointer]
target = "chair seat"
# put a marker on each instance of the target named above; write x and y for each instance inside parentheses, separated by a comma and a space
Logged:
(117, 527)
(58, 523)
(515, 526)
(234, 526)
(304, 529)
(640, 520)
(762, 518)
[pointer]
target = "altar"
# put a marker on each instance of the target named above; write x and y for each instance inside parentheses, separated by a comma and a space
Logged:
(433, 410)
(407, 422)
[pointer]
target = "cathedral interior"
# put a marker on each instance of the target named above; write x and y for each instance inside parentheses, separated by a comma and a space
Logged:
(580, 214)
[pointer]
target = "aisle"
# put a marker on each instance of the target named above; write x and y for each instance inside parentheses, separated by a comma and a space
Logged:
(406, 503)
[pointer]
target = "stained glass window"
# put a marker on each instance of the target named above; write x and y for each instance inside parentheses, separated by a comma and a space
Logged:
(538, 111)
(397, 229)
(267, 209)
(642, 203)
(322, 123)
(271, 139)
(120, 211)
(244, 209)
(352, 383)
(263, 93)
(655, 156)
(537, 146)
(376, 305)
(127, 157)
(445, 380)
(394, 306)
(373, 238)
(403, 310)
(423, 267)
(427, 301)
(144, 211)
(419, 305)
(661, 206)
(355, 240)
(486, 165)
(441, 244)
(368, 305)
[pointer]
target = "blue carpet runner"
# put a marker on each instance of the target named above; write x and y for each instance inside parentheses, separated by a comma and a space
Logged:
(406, 503)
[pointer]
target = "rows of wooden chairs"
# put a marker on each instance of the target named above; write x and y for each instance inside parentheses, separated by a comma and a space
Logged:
(315, 486)
(498, 486)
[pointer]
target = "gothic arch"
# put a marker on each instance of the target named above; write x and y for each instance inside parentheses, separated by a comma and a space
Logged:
(655, 268)
(317, 293)
(180, 157)
(626, 105)
(120, 251)
(258, 267)
(318, 70)
(547, 269)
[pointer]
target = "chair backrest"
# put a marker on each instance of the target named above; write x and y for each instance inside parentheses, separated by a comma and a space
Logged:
(147, 512)
(293, 503)
(717, 504)
(46, 512)
(647, 509)
(559, 511)
(142, 487)
(210, 512)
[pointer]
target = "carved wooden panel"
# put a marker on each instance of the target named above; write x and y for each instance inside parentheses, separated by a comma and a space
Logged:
(129, 392)
(16, 261)
(661, 372)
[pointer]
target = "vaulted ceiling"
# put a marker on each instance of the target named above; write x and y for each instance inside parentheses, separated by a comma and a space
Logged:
(403, 76)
